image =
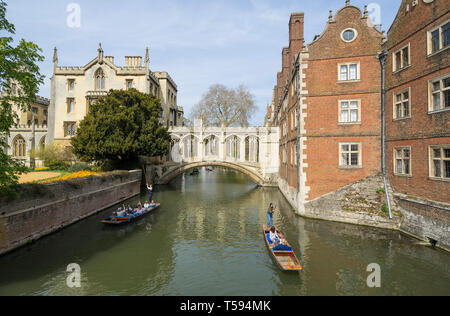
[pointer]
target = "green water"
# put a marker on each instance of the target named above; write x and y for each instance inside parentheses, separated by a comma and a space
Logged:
(206, 239)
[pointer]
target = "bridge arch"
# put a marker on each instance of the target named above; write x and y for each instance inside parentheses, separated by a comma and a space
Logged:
(173, 173)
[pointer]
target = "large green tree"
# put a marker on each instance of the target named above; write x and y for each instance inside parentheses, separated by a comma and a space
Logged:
(120, 127)
(19, 83)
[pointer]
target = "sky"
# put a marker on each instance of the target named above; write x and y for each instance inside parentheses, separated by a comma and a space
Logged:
(199, 42)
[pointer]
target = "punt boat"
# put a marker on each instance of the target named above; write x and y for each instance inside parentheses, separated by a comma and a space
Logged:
(121, 220)
(285, 256)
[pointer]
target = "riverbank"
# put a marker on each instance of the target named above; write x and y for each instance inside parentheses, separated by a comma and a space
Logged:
(42, 209)
(364, 203)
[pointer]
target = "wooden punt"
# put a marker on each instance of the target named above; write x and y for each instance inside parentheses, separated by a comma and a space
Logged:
(286, 260)
(119, 220)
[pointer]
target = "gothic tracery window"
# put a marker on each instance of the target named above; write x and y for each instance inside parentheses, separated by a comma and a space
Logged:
(19, 147)
(99, 79)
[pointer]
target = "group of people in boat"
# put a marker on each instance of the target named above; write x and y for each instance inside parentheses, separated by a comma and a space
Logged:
(125, 211)
(273, 234)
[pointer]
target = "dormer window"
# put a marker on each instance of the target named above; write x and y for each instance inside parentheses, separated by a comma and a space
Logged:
(99, 80)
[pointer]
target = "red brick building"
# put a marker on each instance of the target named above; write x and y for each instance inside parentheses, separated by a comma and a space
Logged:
(418, 110)
(327, 104)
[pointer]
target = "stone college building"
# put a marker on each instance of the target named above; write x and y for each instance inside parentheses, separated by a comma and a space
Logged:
(74, 89)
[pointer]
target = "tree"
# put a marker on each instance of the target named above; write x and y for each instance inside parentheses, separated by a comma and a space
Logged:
(120, 127)
(19, 82)
(223, 106)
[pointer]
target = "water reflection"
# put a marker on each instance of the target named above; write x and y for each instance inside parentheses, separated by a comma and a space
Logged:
(206, 239)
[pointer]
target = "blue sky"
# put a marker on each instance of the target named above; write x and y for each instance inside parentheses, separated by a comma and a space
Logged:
(198, 42)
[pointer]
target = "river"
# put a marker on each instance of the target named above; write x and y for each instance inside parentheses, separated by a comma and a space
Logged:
(206, 239)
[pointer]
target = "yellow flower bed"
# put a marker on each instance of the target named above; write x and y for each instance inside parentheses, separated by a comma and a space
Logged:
(75, 175)
(42, 169)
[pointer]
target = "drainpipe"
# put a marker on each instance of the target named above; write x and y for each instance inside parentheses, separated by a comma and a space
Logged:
(382, 57)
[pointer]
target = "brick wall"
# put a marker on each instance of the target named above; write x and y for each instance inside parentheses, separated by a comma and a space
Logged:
(423, 127)
(62, 204)
(325, 90)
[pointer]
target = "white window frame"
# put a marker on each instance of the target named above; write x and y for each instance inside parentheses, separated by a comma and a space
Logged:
(395, 102)
(395, 67)
(441, 39)
(349, 110)
(441, 91)
(348, 64)
(441, 159)
(349, 29)
(348, 165)
(403, 158)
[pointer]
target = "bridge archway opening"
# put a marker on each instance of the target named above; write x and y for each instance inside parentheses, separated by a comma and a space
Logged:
(174, 173)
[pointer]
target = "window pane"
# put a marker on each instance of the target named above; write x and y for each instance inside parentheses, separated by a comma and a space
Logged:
(354, 115)
(355, 159)
(406, 109)
(399, 153)
(446, 169)
(344, 75)
(354, 104)
(446, 34)
(446, 98)
(437, 153)
(446, 82)
(406, 171)
(355, 147)
(345, 147)
(349, 35)
(353, 72)
(398, 60)
(435, 41)
(345, 159)
(406, 153)
(446, 153)
(399, 98)
(405, 57)
(344, 116)
(436, 86)
(399, 166)
(437, 168)
(436, 101)
(344, 105)
(399, 111)
(406, 96)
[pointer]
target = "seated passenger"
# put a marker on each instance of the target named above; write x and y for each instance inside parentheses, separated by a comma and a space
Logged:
(146, 205)
(275, 238)
(153, 204)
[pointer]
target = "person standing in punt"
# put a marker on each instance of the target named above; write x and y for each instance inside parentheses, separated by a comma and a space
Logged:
(150, 191)
(270, 216)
